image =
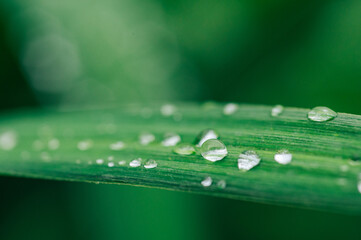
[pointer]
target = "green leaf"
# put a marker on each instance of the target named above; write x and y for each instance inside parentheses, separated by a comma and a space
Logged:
(323, 173)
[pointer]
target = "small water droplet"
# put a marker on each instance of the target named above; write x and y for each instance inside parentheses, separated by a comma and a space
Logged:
(117, 146)
(184, 149)
(359, 183)
(45, 157)
(213, 150)
(207, 182)
(283, 157)
(277, 110)
(171, 139)
(110, 158)
(99, 161)
(321, 114)
(230, 108)
(53, 144)
(151, 164)
(78, 161)
(206, 135)
(248, 160)
(167, 110)
(110, 164)
(122, 162)
(85, 145)
(146, 138)
(222, 184)
(136, 162)
(8, 140)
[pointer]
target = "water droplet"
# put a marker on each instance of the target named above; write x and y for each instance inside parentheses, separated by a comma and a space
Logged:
(248, 160)
(99, 161)
(110, 158)
(230, 108)
(53, 144)
(122, 162)
(213, 150)
(146, 138)
(151, 164)
(283, 157)
(206, 135)
(359, 183)
(207, 182)
(117, 146)
(8, 140)
(184, 149)
(136, 162)
(45, 157)
(167, 110)
(277, 110)
(85, 145)
(321, 114)
(222, 184)
(171, 139)
(110, 164)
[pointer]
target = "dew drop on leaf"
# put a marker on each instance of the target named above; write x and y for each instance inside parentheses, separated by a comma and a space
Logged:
(277, 110)
(171, 139)
(117, 146)
(248, 160)
(136, 162)
(184, 149)
(151, 164)
(213, 150)
(230, 108)
(283, 157)
(221, 184)
(321, 114)
(206, 135)
(207, 182)
(146, 138)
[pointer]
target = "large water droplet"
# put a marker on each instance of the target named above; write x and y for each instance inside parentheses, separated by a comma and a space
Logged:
(277, 110)
(221, 184)
(117, 146)
(321, 114)
(167, 110)
(207, 182)
(136, 162)
(85, 145)
(8, 140)
(213, 150)
(184, 149)
(151, 164)
(171, 139)
(248, 160)
(230, 108)
(206, 135)
(283, 157)
(146, 138)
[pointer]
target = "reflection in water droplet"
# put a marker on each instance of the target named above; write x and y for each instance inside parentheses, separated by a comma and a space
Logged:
(53, 144)
(136, 162)
(207, 182)
(184, 149)
(167, 110)
(117, 146)
(248, 160)
(222, 184)
(283, 157)
(151, 164)
(8, 140)
(171, 139)
(321, 114)
(230, 108)
(277, 110)
(85, 145)
(206, 135)
(99, 161)
(146, 138)
(213, 150)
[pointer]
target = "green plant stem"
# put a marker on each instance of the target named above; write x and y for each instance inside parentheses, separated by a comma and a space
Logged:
(322, 175)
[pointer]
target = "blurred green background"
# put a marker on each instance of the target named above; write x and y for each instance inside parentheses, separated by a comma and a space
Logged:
(89, 53)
